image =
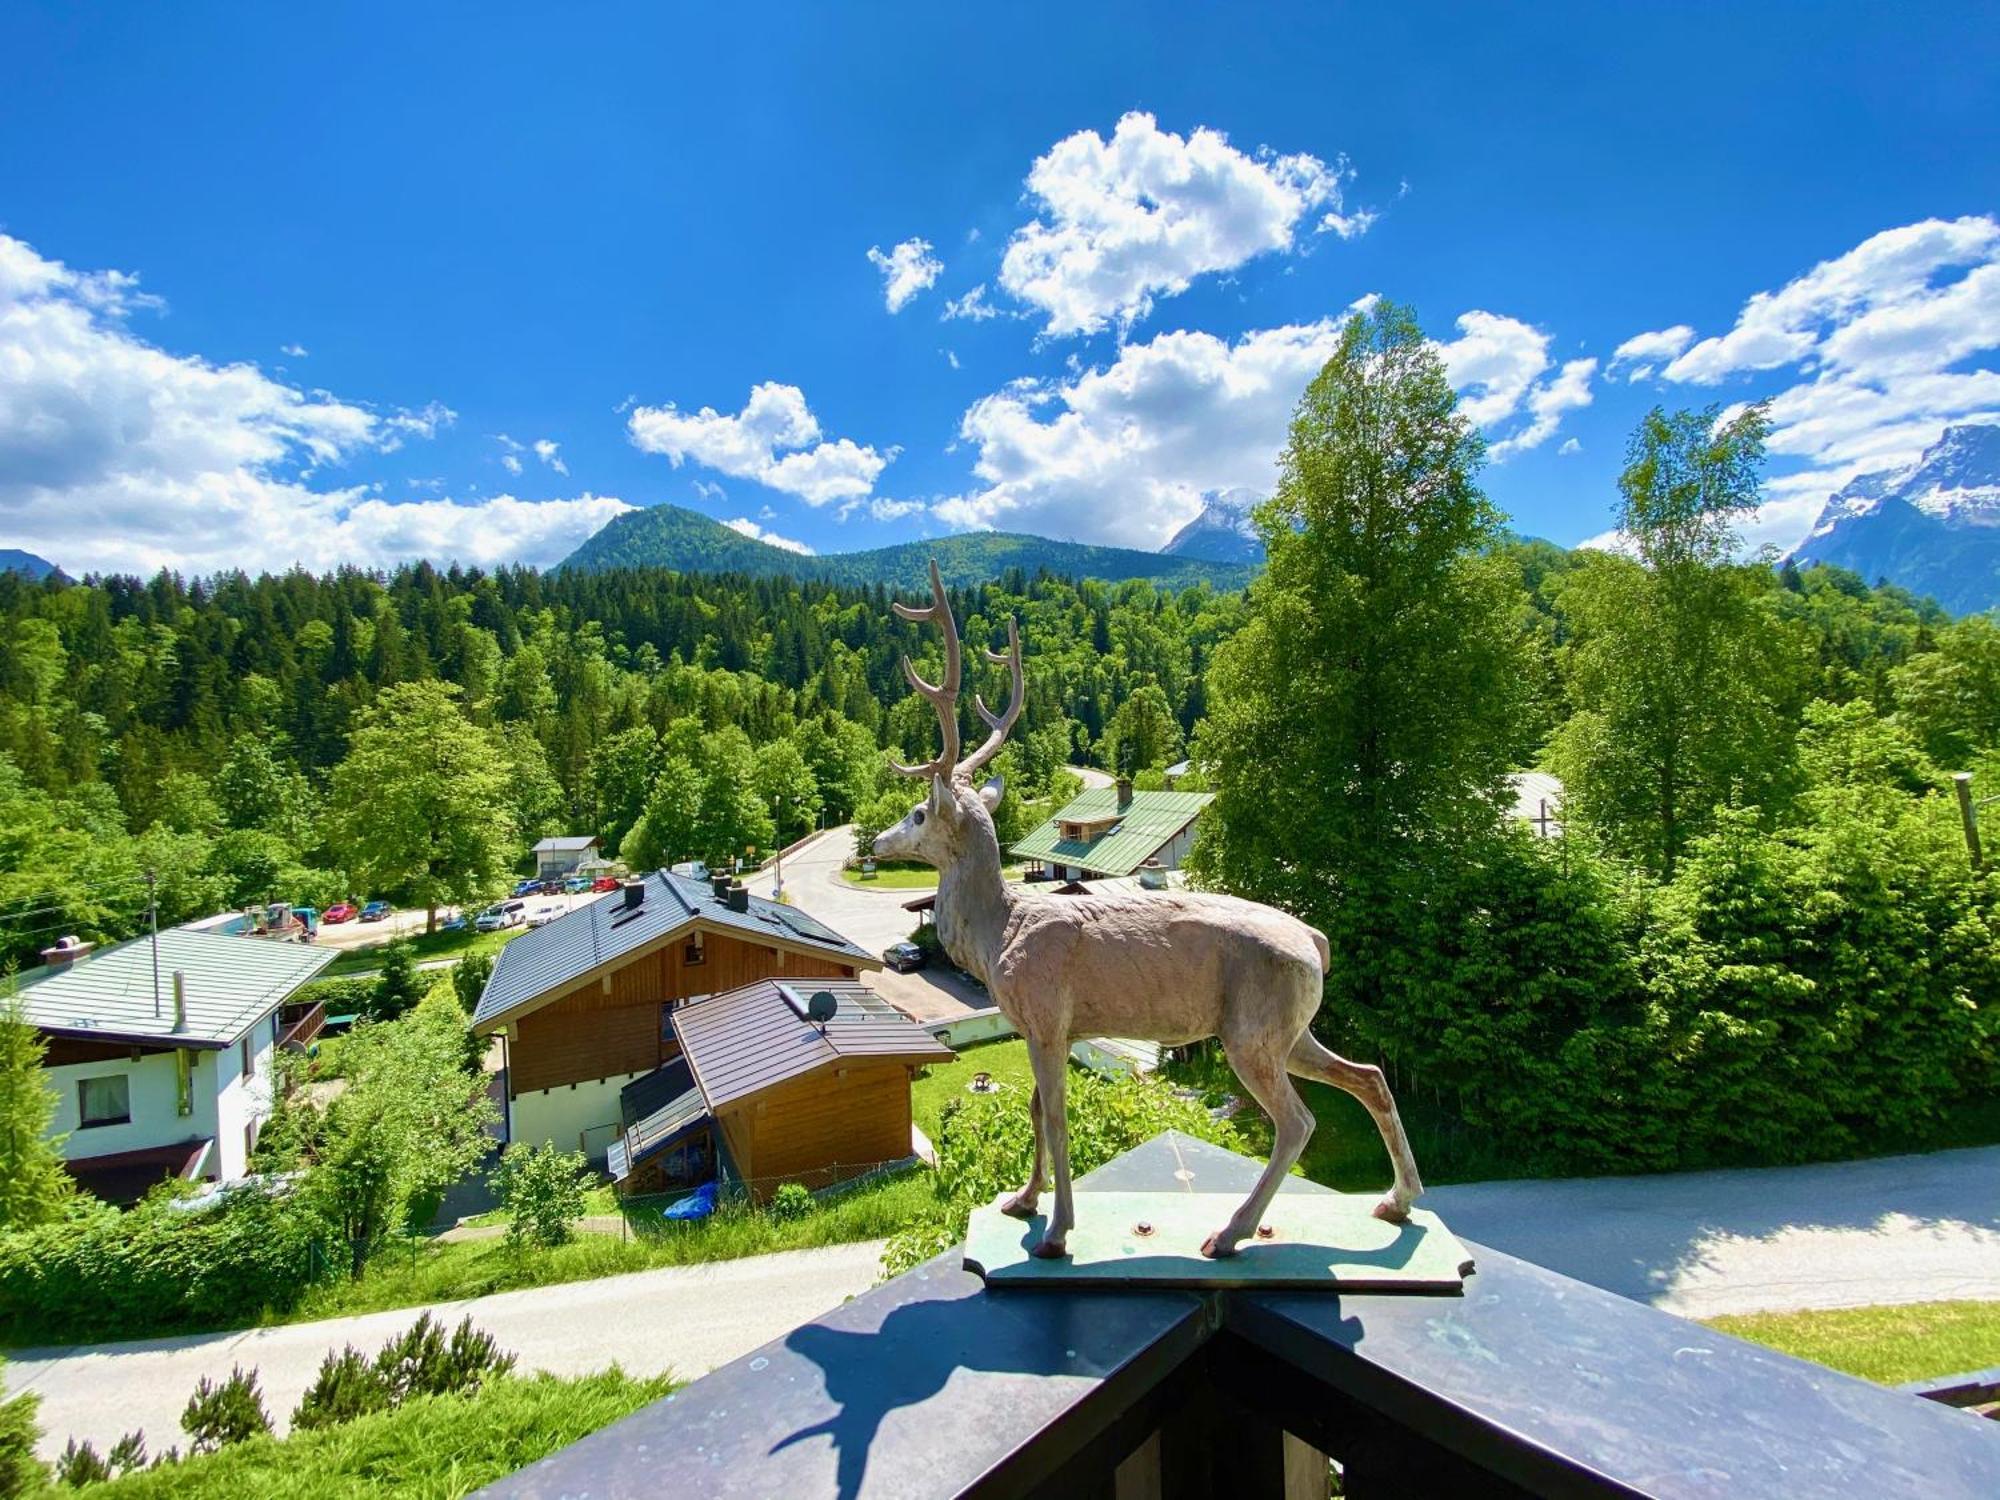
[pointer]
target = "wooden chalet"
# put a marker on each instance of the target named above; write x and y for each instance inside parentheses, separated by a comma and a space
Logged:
(586, 1004)
(765, 1091)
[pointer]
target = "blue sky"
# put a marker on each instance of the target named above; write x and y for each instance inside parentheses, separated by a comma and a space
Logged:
(280, 286)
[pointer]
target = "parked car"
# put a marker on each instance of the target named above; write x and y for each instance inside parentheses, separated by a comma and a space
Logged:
(502, 914)
(528, 888)
(340, 911)
(453, 923)
(605, 883)
(543, 916)
(903, 957)
(576, 885)
(374, 911)
(693, 869)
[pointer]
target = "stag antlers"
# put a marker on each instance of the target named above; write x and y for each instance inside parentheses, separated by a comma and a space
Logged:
(943, 695)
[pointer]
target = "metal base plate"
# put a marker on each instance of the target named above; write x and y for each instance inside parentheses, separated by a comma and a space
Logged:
(1318, 1241)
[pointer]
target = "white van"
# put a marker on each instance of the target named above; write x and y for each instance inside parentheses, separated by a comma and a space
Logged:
(502, 914)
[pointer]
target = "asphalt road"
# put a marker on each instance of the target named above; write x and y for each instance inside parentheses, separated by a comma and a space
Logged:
(1700, 1244)
(686, 1319)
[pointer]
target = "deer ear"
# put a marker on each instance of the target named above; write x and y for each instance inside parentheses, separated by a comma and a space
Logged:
(991, 793)
(940, 792)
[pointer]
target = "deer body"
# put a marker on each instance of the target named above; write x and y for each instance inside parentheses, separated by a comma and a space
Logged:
(1164, 967)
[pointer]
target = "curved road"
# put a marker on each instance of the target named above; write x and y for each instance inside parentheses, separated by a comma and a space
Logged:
(687, 1319)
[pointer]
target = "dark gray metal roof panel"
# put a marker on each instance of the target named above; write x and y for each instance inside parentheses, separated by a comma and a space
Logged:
(750, 1039)
(602, 931)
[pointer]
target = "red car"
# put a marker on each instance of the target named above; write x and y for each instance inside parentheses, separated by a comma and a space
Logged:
(605, 883)
(340, 911)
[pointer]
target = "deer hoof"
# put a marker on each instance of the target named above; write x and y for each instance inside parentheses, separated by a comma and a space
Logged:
(1215, 1247)
(1389, 1211)
(1049, 1249)
(1020, 1206)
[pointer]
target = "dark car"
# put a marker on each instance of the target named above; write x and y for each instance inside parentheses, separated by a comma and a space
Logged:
(903, 957)
(374, 911)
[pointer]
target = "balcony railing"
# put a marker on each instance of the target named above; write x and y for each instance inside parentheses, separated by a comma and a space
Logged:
(300, 1025)
(1528, 1384)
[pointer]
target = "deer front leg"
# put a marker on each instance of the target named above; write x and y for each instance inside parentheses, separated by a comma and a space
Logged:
(1051, 1064)
(1022, 1204)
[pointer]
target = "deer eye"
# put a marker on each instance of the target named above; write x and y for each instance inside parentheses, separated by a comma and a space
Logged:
(919, 816)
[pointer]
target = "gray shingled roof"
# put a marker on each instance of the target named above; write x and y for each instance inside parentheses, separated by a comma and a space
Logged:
(601, 931)
(566, 844)
(746, 1040)
(230, 982)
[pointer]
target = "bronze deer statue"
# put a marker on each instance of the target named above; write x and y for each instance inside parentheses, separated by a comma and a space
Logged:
(1168, 967)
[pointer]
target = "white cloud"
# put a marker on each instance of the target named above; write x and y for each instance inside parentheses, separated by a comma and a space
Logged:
(883, 509)
(973, 306)
(1875, 343)
(906, 270)
(756, 533)
(545, 450)
(1638, 356)
(1547, 404)
(714, 492)
(1498, 366)
(511, 463)
(116, 455)
(774, 440)
(296, 351)
(1120, 222)
(1125, 453)
(950, 358)
(1570, 446)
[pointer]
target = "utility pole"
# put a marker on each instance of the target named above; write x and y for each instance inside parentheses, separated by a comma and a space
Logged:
(153, 921)
(1968, 814)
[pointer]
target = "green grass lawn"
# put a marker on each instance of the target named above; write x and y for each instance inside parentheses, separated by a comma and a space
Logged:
(893, 877)
(423, 947)
(1007, 1061)
(1886, 1344)
(433, 1447)
(406, 1275)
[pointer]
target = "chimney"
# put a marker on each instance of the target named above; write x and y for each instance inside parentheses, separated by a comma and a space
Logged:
(180, 1001)
(721, 884)
(1152, 876)
(635, 894)
(67, 953)
(739, 898)
(1124, 792)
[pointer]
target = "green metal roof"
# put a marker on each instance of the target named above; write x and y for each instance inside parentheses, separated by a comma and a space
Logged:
(1148, 821)
(230, 982)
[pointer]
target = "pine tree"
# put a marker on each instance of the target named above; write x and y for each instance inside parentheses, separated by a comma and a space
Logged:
(33, 1184)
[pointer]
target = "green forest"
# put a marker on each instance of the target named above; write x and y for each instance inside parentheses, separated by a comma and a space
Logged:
(1759, 937)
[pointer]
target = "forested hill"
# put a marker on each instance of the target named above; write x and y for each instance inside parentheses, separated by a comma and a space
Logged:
(668, 536)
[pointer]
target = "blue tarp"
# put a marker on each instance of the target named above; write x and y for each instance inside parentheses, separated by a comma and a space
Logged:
(698, 1204)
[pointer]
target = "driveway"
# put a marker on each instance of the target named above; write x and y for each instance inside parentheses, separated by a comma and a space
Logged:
(1700, 1244)
(687, 1319)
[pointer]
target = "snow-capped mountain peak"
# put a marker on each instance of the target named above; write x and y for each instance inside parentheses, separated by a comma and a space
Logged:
(1223, 531)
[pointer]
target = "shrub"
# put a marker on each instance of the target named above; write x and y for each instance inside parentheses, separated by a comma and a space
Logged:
(542, 1191)
(81, 1464)
(348, 1386)
(341, 997)
(791, 1201)
(128, 1453)
(468, 979)
(21, 1473)
(398, 987)
(985, 1143)
(423, 1363)
(102, 1273)
(232, 1412)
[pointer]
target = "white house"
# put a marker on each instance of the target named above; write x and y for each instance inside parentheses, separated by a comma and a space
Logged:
(161, 1058)
(557, 857)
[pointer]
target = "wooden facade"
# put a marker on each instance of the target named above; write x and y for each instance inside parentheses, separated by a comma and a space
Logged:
(822, 1128)
(609, 1024)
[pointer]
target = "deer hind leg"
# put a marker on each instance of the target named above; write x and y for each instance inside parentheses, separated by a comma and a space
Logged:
(1260, 1064)
(1051, 1064)
(1366, 1083)
(1022, 1204)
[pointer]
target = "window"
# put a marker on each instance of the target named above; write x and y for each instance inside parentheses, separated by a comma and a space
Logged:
(694, 953)
(247, 1059)
(104, 1101)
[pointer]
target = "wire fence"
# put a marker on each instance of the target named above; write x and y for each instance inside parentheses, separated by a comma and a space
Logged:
(758, 1196)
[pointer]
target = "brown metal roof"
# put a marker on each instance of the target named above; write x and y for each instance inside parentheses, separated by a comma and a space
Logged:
(744, 1041)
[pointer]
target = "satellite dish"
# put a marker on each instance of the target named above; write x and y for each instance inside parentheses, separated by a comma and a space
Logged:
(821, 1006)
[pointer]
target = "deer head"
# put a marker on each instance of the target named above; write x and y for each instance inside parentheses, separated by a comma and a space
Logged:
(941, 827)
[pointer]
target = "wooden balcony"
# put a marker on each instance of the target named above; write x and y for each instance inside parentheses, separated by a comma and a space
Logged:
(1528, 1384)
(300, 1025)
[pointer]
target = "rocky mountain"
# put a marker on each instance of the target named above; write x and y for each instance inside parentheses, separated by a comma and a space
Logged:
(1223, 532)
(668, 536)
(1932, 527)
(14, 560)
